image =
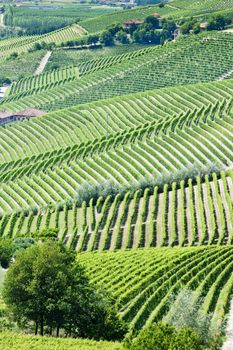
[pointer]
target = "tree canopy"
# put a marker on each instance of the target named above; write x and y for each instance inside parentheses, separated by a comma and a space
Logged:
(46, 289)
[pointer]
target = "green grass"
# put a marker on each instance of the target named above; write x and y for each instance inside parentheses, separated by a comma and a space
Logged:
(14, 341)
(2, 273)
(23, 66)
(61, 58)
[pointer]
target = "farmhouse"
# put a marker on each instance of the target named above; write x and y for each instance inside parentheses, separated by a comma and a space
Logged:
(130, 23)
(9, 117)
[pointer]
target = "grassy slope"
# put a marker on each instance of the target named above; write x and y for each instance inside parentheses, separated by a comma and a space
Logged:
(176, 9)
(23, 66)
(12, 341)
(61, 58)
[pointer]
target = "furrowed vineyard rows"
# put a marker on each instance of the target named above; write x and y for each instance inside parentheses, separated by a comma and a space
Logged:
(187, 213)
(143, 280)
(188, 61)
(23, 44)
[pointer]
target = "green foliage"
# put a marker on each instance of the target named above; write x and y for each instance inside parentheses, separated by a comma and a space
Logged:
(186, 339)
(216, 22)
(16, 341)
(20, 243)
(107, 38)
(46, 234)
(164, 337)
(186, 311)
(45, 285)
(156, 337)
(6, 252)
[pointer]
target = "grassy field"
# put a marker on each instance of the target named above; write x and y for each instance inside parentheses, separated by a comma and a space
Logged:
(23, 66)
(61, 58)
(13, 341)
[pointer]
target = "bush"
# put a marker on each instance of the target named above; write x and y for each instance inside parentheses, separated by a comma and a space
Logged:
(185, 339)
(163, 336)
(186, 311)
(6, 252)
(156, 337)
(47, 233)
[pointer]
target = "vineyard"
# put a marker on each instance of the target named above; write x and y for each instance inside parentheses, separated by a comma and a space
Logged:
(185, 213)
(189, 62)
(178, 9)
(142, 281)
(22, 44)
(129, 165)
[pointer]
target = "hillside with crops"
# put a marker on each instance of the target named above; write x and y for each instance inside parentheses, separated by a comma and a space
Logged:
(116, 175)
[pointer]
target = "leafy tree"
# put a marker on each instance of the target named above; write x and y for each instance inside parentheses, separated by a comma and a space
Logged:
(107, 38)
(152, 21)
(186, 27)
(122, 37)
(186, 311)
(6, 252)
(45, 285)
(216, 22)
(114, 28)
(20, 243)
(155, 337)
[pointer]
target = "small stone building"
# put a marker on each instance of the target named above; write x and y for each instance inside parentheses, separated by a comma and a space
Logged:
(10, 117)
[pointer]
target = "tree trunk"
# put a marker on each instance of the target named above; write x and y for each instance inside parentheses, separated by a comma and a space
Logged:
(42, 326)
(58, 329)
(36, 329)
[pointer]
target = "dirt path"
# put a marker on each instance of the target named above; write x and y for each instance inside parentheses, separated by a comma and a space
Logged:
(228, 345)
(226, 75)
(2, 20)
(43, 63)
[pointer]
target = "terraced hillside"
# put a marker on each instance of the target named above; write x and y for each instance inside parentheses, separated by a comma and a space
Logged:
(131, 164)
(142, 281)
(156, 149)
(24, 43)
(203, 58)
(161, 110)
(172, 9)
(185, 213)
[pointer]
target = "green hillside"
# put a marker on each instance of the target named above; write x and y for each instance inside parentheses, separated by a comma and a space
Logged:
(202, 58)
(130, 165)
(14, 341)
(142, 281)
(173, 9)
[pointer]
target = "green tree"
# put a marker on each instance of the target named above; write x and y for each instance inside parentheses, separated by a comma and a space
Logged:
(155, 337)
(186, 339)
(216, 22)
(152, 21)
(107, 38)
(122, 37)
(6, 252)
(47, 287)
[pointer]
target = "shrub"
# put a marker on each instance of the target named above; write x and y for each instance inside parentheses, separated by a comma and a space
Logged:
(6, 252)
(186, 311)
(185, 339)
(156, 337)
(163, 336)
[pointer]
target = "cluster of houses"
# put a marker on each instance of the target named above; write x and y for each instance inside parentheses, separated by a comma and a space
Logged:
(10, 117)
(122, 3)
